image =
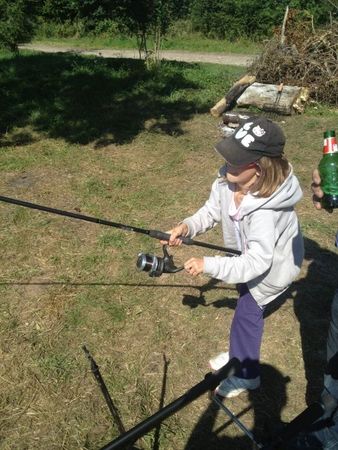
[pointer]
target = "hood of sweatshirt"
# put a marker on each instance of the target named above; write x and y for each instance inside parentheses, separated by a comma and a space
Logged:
(285, 197)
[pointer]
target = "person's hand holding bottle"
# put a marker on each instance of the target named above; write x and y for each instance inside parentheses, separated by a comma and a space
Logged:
(316, 189)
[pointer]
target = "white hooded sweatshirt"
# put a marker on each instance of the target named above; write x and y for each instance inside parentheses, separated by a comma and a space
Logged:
(270, 239)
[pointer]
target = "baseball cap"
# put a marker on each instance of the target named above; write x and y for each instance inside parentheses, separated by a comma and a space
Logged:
(255, 138)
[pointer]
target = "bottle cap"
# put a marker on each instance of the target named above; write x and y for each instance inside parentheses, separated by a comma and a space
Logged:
(329, 133)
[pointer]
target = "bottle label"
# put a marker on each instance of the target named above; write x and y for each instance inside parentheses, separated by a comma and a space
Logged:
(330, 145)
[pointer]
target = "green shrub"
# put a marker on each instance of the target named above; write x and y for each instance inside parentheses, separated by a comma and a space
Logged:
(180, 28)
(106, 28)
(66, 29)
(251, 18)
(16, 23)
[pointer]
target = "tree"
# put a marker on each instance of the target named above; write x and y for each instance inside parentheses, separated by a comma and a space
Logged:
(140, 18)
(60, 11)
(146, 19)
(232, 19)
(90, 12)
(17, 20)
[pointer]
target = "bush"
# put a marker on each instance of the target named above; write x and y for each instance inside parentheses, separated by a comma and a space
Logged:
(307, 58)
(59, 11)
(106, 28)
(67, 29)
(250, 18)
(180, 28)
(16, 23)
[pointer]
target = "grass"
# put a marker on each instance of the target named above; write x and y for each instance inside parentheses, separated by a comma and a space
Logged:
(192, 42)
(109, 101)
(107, 138)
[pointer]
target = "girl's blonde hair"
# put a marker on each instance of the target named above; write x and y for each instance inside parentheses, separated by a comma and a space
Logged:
(273, 172)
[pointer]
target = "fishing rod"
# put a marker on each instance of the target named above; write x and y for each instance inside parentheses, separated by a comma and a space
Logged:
(151, 233)
(209, 383)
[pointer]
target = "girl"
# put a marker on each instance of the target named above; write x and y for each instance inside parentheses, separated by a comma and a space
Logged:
(253, 200)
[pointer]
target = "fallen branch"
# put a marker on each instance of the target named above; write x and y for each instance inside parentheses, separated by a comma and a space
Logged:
(228, 102)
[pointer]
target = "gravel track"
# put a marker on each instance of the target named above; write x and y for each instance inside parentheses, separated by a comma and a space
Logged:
(173, 55)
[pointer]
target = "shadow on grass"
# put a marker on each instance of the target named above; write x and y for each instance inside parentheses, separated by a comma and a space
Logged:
(99, 283)
(267, 404)
(312, 304)
(312, 298)
(86, 99)
(194, 301)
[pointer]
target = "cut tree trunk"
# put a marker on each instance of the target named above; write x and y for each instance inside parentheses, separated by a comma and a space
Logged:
(278, 98)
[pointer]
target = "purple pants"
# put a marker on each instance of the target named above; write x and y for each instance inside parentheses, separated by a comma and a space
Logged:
(246, 333)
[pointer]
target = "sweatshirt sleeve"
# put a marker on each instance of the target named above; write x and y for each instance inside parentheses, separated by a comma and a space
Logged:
(256, 260)
(208, 216)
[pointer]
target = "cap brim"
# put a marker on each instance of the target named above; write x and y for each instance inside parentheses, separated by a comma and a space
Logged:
(234, 153)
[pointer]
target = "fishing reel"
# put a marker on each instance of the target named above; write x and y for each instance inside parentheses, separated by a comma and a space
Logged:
(157, 265)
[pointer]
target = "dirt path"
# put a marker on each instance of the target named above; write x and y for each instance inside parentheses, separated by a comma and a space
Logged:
(176, 55)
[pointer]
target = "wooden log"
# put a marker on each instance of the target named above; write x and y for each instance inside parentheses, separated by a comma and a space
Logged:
(301, 100)
(234, 119)
(235, 91)
(277, 98)
(231, 121)
(220, 106)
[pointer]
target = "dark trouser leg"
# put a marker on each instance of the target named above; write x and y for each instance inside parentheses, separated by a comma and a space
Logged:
(246, 334)
(332, 340)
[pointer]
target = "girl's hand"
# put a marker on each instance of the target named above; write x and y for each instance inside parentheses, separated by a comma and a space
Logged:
(180, 230)
(194, 266)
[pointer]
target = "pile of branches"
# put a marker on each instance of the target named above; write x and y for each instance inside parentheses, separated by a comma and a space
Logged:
(302, 57)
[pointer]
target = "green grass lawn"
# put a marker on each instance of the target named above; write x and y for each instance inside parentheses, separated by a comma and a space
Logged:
(86, 99)
(110, 139)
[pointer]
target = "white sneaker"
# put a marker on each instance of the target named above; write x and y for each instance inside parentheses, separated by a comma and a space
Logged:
(219, 361)
(233, 386)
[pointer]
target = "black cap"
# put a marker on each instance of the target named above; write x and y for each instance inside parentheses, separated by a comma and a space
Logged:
(257, 137)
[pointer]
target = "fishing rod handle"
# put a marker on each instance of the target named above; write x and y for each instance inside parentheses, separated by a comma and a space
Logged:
(166, 236)
(188, 241)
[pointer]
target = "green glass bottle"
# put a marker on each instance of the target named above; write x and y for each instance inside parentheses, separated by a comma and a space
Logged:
(328, 169)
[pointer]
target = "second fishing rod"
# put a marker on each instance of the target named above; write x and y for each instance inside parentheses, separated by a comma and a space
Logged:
(154, 265)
